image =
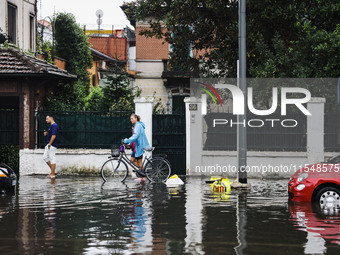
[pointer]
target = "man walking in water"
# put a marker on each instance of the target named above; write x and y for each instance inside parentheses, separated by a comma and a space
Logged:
(52, 144)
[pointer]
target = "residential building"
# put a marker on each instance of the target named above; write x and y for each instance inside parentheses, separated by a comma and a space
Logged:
(45, 30)
(131, 49)
(18, 23)
(114, 47)
(99, 69)
(153, 75)
(110, 47)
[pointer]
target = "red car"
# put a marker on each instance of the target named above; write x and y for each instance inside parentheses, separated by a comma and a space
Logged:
(318, 183)
(319, 225)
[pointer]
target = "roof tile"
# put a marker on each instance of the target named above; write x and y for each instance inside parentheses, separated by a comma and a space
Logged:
(15, 62)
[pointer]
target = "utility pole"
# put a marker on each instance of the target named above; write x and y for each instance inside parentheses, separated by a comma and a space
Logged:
(242, 119)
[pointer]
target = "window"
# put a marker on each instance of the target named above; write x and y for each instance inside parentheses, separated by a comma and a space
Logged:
(12, 23)
(32, 48)
(94, 80)
(178, 105)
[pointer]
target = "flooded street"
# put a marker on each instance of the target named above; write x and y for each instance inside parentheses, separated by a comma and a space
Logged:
(79, 215)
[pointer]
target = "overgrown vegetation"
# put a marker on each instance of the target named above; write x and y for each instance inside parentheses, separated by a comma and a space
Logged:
(45, 48)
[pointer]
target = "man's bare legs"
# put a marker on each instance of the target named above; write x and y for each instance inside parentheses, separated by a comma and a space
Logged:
(52, 167)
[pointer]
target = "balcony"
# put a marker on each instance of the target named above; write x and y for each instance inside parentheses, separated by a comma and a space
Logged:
(180, 71)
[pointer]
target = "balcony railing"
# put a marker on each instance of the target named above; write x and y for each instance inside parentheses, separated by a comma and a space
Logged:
(182, 70)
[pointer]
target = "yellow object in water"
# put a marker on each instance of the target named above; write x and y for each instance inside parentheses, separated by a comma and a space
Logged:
(220, 185)
(174, 176)
(215, 177)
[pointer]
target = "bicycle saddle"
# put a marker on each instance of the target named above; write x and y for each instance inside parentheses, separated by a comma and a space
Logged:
(149, 148)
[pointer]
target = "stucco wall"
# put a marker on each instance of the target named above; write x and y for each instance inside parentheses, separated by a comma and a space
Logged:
(31, 161)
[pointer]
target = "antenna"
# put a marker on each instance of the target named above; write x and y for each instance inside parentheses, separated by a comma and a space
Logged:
(99, 14)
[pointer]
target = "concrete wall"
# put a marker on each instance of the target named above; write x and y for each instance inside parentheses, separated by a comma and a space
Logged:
(259, 163)
(144, 110)
(31, 161)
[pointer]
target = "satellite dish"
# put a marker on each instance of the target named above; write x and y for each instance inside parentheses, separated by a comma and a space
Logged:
(99, 13)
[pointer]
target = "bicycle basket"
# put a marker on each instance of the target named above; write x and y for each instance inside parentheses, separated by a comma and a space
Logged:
(115, 150)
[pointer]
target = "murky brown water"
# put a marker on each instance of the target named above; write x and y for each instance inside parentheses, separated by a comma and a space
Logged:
(80, 216)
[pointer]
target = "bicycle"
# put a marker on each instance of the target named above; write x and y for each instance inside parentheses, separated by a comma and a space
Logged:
(154, 168)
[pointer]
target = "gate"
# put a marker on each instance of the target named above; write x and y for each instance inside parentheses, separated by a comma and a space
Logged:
(9, 127)
(9, 138)
(169, 137)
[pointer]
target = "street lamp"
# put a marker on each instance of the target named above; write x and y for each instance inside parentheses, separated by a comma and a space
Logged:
(242, 129)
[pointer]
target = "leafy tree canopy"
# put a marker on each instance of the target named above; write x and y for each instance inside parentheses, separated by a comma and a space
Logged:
(282, 36)
(286, 39)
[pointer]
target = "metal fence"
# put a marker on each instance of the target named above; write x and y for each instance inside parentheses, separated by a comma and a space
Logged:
(90, 130)
(332, 131)
(266, 138)
(169, 137)
(9, 127)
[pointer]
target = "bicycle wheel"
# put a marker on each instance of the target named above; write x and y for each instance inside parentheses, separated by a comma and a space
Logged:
(157, 170)
(114, 170)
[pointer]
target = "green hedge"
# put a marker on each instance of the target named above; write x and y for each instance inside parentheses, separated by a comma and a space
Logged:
(9, 154)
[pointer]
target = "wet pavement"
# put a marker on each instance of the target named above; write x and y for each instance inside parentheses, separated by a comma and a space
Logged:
(79, 215)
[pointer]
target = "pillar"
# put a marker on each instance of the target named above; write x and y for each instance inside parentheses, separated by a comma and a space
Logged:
(143, 108)
(194, 134)
(315, 130)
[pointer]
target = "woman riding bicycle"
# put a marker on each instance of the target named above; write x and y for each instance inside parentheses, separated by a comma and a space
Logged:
(154, 168)
(137, 141)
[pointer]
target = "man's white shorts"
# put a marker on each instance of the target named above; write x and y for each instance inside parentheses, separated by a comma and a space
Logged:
(49, 154)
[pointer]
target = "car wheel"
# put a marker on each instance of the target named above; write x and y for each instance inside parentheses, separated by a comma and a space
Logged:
(328, 198)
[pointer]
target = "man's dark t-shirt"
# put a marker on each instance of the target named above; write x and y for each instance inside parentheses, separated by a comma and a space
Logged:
(53, 130)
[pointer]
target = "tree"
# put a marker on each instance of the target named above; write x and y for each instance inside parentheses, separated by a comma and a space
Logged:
(212, 27)
(116, 95)
(284, 38)
(72, 45)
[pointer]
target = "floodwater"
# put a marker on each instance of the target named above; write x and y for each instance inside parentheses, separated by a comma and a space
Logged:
(79, 215)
